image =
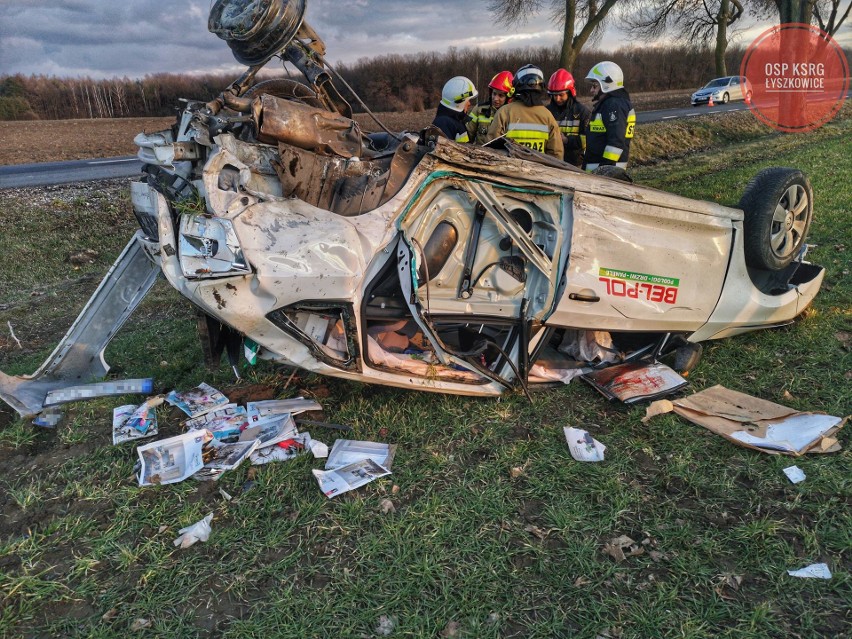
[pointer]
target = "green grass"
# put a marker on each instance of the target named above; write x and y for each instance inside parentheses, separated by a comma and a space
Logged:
(468, 543)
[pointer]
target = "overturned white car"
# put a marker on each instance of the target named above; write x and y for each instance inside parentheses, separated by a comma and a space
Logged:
(413, 261)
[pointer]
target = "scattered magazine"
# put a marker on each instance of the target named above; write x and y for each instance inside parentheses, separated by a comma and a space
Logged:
(263, 411)
(126, 425)
(635, 382)
(355, 475)
(201, 399)
(282, 451)
(348, 451)
(171, 460)
(269, 433)
(222, 457)
(226, 423)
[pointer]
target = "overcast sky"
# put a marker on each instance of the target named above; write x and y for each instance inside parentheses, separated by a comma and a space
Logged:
(107, 38)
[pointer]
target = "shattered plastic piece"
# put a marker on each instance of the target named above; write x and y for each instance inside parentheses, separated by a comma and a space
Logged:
(199, 531)
(794, 474)
(125, 429)
(250, 350)
(49, 417)
(341, 480)
(814, 571)
(198, 401)
(583, 446)
(387, 507)
(347, 451)
(100, 389)
(225, 494)
(172, 460)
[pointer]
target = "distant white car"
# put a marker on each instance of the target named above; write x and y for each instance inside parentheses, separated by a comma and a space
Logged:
(723, 90)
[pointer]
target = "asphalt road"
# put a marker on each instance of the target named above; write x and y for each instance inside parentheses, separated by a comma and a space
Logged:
(47, 173)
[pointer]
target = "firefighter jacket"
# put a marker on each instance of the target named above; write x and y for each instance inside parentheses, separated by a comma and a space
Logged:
(573, 120)
(531, 126)
(453, 124)
(610, 131)
(480, 119)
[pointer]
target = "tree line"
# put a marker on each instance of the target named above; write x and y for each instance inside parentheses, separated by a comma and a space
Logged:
(385, 83)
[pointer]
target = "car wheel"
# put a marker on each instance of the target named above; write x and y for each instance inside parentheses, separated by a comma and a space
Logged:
(778, 207)
(725, 98)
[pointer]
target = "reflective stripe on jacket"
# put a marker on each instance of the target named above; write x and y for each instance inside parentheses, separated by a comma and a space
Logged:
(452, 124)
(480, 119)
(533, 127)
(610, 131)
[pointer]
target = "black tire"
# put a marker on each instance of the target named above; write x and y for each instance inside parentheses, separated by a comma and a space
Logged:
(614, 172)
(725, 98)
(778, 206)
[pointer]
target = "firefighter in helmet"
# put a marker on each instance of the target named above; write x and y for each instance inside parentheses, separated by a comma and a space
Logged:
(457, 99)
(524, 120)
(612, 121)
(500, 89)
(572, 117)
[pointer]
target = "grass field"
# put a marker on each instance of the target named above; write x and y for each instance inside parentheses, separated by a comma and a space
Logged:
(497, 532)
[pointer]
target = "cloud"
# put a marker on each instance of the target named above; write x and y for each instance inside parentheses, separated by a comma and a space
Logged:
(106, 38)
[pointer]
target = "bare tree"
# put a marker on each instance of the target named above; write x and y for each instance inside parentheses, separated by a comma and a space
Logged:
(829, 16)
(691, 21)
(581, 20)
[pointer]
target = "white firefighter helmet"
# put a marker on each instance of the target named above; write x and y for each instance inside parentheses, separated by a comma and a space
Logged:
(456, 92)
(608, 74)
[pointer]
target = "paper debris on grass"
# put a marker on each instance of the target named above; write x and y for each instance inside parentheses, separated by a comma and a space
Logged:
(346, 451)
(271, 432)
(564, 375)
(125, 428)
(168, 461)
(281, 451)
(659, 407)
(814, 571)
(222, 457)
(226, 423)
(794, 474)
(197, 401)
(269, 410)
(635, 381)
(341, 480)
(199, 531)
(759, 424)
(583, 446)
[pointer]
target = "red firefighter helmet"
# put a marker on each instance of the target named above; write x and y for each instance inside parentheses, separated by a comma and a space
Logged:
(561, 81)
(503, 82)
